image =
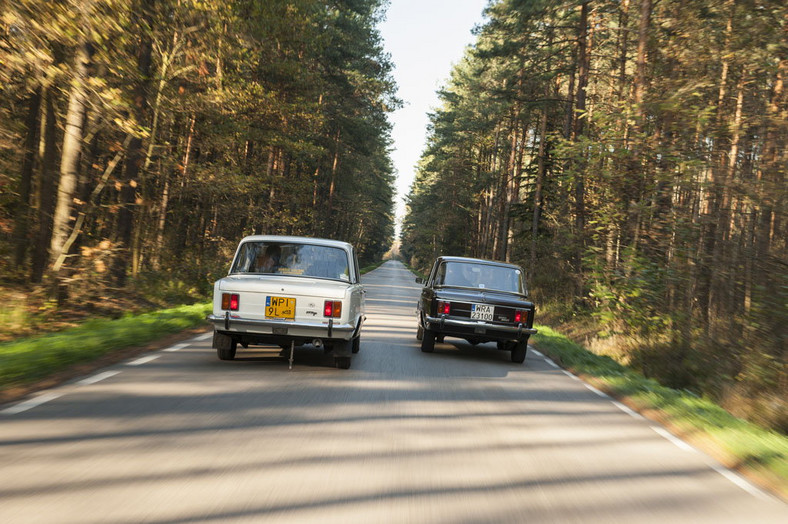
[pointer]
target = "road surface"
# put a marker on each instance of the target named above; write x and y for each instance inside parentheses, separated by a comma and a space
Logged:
(460, 435)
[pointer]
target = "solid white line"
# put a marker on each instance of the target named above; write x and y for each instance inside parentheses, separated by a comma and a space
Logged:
(30, 404)
(596, 391)
(625, 409)
(97, 378)
(671, 437)
(143, 360)
(535, 352)
(204, 336)
(568, 374)
(177, 347)
(551, 363)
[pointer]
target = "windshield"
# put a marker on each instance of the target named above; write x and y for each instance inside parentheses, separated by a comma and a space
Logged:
(305, 260)
(480, 276)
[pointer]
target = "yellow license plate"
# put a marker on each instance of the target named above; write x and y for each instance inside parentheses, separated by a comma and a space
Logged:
(280, 307)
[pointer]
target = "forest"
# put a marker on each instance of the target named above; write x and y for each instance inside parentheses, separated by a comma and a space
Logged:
(631, 156)
(141, 139)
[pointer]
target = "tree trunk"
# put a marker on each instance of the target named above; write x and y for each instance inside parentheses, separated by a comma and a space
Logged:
(72, 149)
(21, 211)
(46, 190)
(135, 154)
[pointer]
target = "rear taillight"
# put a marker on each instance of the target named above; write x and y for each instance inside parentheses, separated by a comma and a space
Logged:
(230, 301)
(520, 316)
(332, 308)
(444, 308)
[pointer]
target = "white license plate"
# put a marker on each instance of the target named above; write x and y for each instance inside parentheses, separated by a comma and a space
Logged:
(481, 312)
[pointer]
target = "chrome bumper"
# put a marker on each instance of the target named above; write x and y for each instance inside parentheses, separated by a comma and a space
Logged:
(229, 324)
(479, 326)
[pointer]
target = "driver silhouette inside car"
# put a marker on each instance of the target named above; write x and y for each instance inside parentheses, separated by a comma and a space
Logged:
(268, 261)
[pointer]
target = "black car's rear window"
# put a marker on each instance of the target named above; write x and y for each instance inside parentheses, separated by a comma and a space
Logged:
(306, 260)
(480, 276)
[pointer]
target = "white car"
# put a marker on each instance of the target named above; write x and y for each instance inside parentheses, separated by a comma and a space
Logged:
(290, 291)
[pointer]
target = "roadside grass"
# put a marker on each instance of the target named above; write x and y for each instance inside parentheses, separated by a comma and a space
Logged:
(371, 267)
(26, 360)
(754, 451)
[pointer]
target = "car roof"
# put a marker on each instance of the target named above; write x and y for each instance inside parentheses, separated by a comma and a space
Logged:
(448, 258)
(297, 240)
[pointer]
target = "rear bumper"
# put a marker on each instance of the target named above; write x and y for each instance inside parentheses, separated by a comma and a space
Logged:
(283, 329)
(476, 328)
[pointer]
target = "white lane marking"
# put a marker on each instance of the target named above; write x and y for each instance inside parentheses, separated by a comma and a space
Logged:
(143, 360)
(596, 391)
(177, 347)
(204, 336)
(630, 412)
(674, 439)
(535, 352)
(728, 474)
(551, 363)
(743, 484)
(30, 404)
(97, 378)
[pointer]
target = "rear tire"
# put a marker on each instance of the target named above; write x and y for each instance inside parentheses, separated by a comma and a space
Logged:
(518, 353)
(342, 362)
(228, 353)
(428, 341)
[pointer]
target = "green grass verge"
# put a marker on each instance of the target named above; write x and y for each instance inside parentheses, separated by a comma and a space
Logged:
(24, 361)
(371, 267)
(742, 444)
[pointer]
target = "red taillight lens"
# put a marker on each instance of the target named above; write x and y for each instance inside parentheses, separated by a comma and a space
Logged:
(520, 316)
(332, 308)
(444, 308)
(230, 301)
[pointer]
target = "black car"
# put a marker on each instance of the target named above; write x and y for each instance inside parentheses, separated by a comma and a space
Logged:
(477, 300)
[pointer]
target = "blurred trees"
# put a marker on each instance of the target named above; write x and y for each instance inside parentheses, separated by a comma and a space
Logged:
(631, 154)
(138, 136)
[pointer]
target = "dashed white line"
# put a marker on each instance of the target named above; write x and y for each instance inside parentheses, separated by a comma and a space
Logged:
(728, 474)
(143, 360)
(630, 412)
(31, 403)
(97, 378)
(743, 484)
(675, 440)
(595, 391)
(177, 347)
(202, 337)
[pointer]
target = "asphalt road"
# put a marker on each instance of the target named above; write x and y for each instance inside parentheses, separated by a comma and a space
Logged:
(459, 435)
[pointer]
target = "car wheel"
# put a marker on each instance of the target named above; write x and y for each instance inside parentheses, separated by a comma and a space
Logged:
(507, 345)
(229, 353)
(356, 345)
(428, 341)
(439, 339)
(518, 353)
(342, 362)
(419, 333)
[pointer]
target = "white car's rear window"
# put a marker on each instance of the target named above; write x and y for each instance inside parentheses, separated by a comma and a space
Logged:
(304, 260)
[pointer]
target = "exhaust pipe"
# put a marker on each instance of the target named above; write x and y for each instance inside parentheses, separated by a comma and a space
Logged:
(317, 343)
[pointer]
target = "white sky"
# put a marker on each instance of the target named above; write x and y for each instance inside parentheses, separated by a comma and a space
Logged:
(425, 39)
